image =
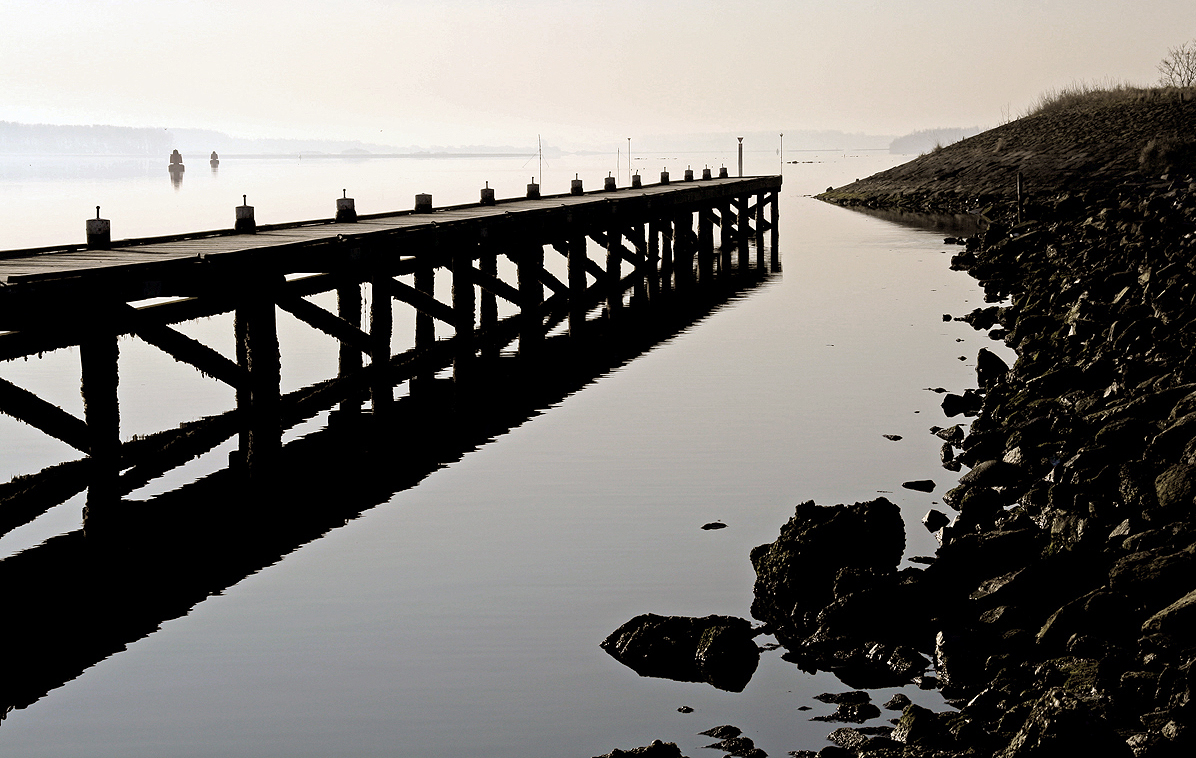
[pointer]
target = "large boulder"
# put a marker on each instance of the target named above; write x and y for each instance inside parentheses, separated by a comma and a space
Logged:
(1060, 724)
(795, 575)
(718, 650)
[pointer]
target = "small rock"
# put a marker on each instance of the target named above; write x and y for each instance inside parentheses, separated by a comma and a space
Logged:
(685, 709)
(854, 697)
(714, 525)
(946, 317)
(892, 437)
(920, 485)
(724, 732)
(897, 702)
(935, 520)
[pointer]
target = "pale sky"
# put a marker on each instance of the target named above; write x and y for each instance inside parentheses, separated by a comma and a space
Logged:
(457, 72)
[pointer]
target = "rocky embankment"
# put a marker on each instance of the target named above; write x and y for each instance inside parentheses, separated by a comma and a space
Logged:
(1059, 613)
(1061, 608)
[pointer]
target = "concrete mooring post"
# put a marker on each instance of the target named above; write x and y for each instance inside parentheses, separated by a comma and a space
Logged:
(706, 173)
(533, 189)
(99, 232)
(245, 223)
(608, 184)
(636, 182)
(689, 174)
(575, 185)
(423, 203)
(487, 195)
(664, 176)
(346, 213)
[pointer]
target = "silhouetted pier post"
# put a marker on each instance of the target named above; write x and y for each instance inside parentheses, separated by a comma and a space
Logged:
(614, 268)
(425, 324)
(577, 283)
(464, 304)
(531, 294)
(257, 352)
(99, 232)
(760, 231)
(381, 330)
(488, 265)
(705, 245)
(666, 253)
(423, 203)
(725, 240)
(98, 355)
(705, 173)
(487, 195)
(575, 186)
(645, 281)
(683, 251)
(689, 174)
(348, 308)
(636, 182)
(774, 234)
(664, 176)
(608, 184)
(533, 189)
(742, 229)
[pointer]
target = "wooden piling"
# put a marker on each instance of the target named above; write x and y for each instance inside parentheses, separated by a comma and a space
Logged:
(530, 262)
(705, 246)
(760, 231)
(348, 308)
(261, 430)
(577, 283)
(381, 331)
(742, 228)
(488, 265)
(425, 324)
(464, 304)
(773, 237)
(614, 269)
(98, 355)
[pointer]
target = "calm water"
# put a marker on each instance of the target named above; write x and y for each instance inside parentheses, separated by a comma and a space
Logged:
(463, 617)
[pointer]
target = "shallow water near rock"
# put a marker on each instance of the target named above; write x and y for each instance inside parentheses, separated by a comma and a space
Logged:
(464, 616)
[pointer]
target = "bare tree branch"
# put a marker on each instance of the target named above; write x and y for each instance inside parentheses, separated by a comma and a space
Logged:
(1178, 69)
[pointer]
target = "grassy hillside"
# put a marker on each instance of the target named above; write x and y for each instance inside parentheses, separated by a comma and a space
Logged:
(1075, 142)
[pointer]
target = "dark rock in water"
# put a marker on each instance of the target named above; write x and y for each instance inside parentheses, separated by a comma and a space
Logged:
(795, 575)
(685, 709)
(724, 732)
(897, 702)
(920, 485)
(946, 317)
(855, 697)
(952, 435)
(892, 437)
(935, 520)
(714, 525)
(989, 368)
(847, 738)
(1060, 724)
(743, 747)
(947, 453)
(967, 404)
(853, 713)
(717, 650)
(657, 749)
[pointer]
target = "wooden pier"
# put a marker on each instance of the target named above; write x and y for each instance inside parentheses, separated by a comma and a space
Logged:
(623, 250)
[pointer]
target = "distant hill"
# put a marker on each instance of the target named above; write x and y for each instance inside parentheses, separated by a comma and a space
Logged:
(29, 139)
(919, 142)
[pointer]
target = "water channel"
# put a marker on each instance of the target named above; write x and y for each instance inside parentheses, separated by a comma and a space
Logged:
(463, 616)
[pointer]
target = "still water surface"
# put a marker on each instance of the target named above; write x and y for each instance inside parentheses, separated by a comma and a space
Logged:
(463, 617)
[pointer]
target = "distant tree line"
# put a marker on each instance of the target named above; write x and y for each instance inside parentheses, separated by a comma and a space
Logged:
(27, 139)
(926, 140)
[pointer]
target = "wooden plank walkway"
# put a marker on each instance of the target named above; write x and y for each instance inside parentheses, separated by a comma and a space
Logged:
(126, 256)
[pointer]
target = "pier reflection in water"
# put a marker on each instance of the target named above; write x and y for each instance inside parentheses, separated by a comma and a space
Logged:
(83, 596)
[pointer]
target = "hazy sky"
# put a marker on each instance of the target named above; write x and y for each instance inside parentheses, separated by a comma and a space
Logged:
(455, 72)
